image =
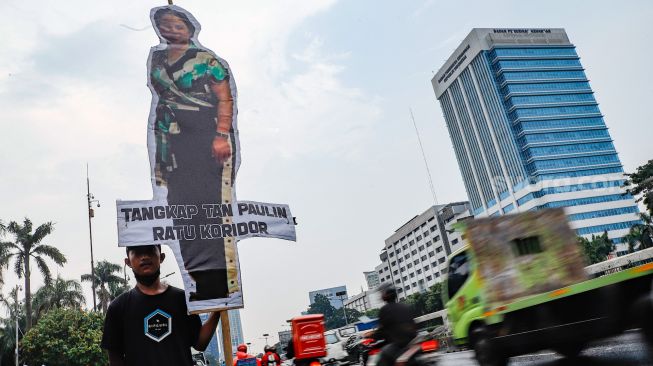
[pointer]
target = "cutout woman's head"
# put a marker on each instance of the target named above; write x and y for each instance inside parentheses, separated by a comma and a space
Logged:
(174, 26)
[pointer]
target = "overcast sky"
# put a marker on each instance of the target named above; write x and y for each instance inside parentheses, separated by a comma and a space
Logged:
(325, 88)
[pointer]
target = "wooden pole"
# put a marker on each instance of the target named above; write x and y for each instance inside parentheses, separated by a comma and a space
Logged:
(226, 338)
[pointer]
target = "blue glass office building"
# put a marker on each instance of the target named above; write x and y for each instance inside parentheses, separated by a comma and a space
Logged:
(528, 133)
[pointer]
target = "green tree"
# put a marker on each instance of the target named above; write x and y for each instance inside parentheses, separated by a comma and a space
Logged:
(640, 236)
(434, 298)
(28, 246)
(321, 305)
(597, 248)
(107, 283)
(65, 337)
(426, 302)
(333, 318)
(640, 183)
(59, 294)
(8, 327)
(417, 302)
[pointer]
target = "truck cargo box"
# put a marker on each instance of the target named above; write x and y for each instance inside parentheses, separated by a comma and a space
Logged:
(525, 254)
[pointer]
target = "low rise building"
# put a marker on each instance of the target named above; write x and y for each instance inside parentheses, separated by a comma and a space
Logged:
(366, 300)
(414, 256)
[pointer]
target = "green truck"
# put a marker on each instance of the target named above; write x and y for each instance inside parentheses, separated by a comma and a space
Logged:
(520, 286)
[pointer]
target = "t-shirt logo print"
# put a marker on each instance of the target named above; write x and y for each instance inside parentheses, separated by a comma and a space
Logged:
(158, 325)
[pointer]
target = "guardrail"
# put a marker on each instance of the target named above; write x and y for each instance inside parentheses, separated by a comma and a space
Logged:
(620, 263)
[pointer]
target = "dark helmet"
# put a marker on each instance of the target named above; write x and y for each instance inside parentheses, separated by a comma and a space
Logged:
(388, 292)
(266, 348)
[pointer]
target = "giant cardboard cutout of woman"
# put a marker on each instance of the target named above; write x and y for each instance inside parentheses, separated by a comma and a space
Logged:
(193, 144)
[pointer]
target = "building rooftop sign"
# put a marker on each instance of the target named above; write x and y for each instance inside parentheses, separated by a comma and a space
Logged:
(482, 39)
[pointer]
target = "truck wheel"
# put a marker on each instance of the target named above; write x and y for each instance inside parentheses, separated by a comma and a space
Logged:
(485, 354)
(571, 350)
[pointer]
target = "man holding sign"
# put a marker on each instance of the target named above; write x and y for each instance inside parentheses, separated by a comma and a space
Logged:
(150, 325)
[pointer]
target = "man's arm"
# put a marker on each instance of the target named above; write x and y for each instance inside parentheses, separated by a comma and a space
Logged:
(206, 331)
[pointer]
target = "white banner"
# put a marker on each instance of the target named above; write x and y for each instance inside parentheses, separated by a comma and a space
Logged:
(152, 222)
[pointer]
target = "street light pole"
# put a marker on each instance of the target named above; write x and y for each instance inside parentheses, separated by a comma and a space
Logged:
(90, 200)
(340, 294)
(16, 316)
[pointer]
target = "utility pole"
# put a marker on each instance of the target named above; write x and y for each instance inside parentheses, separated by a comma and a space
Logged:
(90, 200)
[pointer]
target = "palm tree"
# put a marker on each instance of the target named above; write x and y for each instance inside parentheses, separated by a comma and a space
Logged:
(104, 276)
(641, 234)
(59, 294)
(28, 246)
(3, 254)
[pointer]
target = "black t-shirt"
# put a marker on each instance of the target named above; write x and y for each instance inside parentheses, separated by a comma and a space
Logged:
(151, 329)
(396, 324)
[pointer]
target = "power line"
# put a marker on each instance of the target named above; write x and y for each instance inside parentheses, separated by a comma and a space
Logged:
(426, 164)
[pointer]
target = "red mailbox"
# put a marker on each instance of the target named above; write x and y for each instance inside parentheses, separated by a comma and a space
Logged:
(308, 336)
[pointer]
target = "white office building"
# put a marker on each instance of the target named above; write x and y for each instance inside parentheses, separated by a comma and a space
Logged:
(414, 256)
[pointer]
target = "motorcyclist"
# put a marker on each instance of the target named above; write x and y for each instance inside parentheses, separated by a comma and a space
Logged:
(245, 359)
(270, 357)
(396, 325)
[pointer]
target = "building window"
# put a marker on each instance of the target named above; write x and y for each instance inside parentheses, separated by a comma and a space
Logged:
(429, 243)
(396, 272)
(416, 261)
(394, 263)
(431, 254)
(405, 278)
(437, 274)
(407, 288)
(383, 280)
(433, 228)
(426, 268)
(419, 238)
(437, 238)
(391, 254)
(419, 271)
(400, 260)
(441, 260)
(398, 250)
(423, 257)
(427, 233)
(412, 275)
(421, 247)
(414, 285)
(387, 277)
(434, 264)
(454, 242)
(404, 247)
(412, 242)
(410, 265)
(438, 249)
(414, 252)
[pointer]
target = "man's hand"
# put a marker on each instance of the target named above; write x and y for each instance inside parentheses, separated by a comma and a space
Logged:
(221, 149)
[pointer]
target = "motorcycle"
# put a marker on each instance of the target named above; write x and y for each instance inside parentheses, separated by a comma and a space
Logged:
(414, 354)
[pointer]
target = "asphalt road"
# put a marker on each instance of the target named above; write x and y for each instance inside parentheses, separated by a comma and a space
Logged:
(625, 350)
